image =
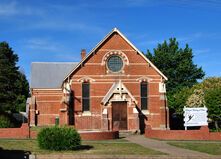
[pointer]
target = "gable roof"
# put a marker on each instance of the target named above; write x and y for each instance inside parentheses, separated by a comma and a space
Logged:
(115, 30)
(50, 75)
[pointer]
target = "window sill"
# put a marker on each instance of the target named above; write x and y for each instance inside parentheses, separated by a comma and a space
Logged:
(86, 113)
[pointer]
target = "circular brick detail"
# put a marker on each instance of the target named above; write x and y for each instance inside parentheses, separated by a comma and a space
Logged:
(99, 135)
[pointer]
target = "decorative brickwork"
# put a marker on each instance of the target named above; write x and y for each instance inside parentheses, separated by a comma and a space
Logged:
(66, 106)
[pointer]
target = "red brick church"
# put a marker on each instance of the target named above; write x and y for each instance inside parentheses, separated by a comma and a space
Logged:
(114, 87)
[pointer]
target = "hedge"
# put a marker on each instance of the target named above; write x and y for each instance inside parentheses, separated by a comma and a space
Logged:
(59, 138)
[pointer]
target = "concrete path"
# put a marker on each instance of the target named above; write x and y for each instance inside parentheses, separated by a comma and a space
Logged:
(164, 147)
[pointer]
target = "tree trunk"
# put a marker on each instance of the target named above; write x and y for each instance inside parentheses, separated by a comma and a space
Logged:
(216, 125)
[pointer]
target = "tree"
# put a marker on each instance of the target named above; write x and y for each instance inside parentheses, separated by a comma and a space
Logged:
(177, 64)
(196, 99)
(211, 88)
(213, 103)
(206, 93)
(13, 84)
(177, 100)
(22, 94)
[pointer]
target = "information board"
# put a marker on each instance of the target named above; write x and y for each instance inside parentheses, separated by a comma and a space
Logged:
(195, 116)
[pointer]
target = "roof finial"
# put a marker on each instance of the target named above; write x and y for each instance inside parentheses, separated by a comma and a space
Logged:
(115, 29)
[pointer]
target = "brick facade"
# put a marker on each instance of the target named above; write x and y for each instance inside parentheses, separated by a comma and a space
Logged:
(50, 104)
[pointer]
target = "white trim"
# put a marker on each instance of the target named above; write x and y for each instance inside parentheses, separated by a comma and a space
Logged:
(117, 88)
(137, 80)
(103, 40)
(110, 82)
(162, 87)
(97, 64)
(138, 64)
(90, 96)
(135, 96)
(85, 79)
(46, 95)
(52, 101)
(119, 53)
(145, 112)
(135, 111)
(48, 114)
(91, 83)
(154, 113)
(102, 64)
(116, 30)
(128, 50)
(124, 79)
(86, 113)
(115, 75)
(144, 79)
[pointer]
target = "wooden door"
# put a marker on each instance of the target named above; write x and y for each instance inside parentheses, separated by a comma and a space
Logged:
(119, 115)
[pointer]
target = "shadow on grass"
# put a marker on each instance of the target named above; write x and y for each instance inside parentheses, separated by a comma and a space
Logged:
(14, 154)
(83, 147)
(121, 137)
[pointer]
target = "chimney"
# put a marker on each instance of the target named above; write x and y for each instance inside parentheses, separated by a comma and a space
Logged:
(83, 54)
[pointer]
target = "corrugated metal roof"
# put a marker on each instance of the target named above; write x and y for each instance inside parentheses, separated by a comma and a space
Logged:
(50, 74)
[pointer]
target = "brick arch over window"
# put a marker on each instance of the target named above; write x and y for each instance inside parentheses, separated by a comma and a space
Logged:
(115, 52)
(86, 79)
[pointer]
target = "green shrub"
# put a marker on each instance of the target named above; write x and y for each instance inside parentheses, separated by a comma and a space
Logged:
(5, 121)
(59, 138)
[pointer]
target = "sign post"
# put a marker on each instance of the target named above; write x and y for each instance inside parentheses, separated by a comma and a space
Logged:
(195, 116)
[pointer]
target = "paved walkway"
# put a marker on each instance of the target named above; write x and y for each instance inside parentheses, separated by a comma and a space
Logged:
(164, 147)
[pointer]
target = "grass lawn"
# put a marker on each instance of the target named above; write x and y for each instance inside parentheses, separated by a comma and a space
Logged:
(206, 147)
(110, 147)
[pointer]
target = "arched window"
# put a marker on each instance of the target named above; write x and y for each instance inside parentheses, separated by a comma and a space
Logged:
(144, 95)
(86, 96)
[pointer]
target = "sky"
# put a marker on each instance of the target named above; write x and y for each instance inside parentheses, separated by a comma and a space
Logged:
(57, 30)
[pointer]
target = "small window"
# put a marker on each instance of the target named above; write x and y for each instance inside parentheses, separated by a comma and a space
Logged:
(115, 63)
(85, 96)
(144, 95)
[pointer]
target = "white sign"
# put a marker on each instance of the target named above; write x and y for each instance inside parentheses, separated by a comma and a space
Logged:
(195, 116)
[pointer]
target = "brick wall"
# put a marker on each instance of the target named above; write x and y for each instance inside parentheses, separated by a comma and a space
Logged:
(24, 132)
(99, 135)
(48, 102)
(202, 134)
(15, 133)
(90, 135)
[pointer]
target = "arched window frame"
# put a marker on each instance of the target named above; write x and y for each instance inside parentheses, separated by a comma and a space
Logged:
(114, 53)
